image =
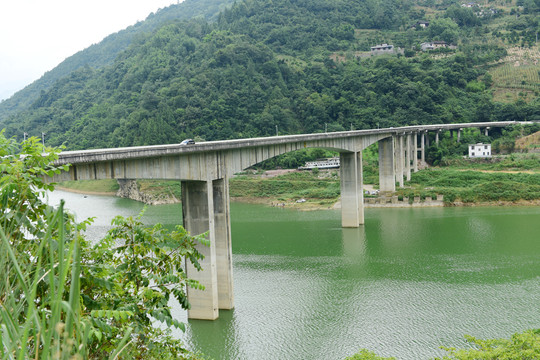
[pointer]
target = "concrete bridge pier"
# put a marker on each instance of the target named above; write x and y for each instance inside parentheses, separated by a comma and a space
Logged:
(387, 173)
(408, 157)
(423, 147)
(415, 153)
(437, 137)
(205, 208)
(352, 192)
(400, 158)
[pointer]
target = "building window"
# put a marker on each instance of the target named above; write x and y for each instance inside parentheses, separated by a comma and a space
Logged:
(472, 154)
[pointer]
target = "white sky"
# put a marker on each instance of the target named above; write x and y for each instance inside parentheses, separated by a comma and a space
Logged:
(37, 35)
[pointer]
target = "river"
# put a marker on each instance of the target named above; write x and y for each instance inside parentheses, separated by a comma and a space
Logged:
(406, 283)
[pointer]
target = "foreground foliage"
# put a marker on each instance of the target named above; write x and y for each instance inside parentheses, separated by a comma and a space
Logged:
(521, 346)
(62, 297)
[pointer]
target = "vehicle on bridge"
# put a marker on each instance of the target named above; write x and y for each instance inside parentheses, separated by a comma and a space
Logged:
(187, 142)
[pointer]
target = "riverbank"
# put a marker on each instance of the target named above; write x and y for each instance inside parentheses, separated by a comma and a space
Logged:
(303, 192)
(85, 192)
(512, 180)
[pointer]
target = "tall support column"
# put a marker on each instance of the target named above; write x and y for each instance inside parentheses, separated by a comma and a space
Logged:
(222, 226)
(360, 182)
(415, 152)
(399, 157)
(459, 135)
(198, 213)
(352, 194)
(408, 156)
(422, 147)
(486, 131)
(387, 176)
(437, 137)
(427, 139)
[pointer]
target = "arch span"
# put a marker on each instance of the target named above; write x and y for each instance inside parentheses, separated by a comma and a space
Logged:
(205, 168)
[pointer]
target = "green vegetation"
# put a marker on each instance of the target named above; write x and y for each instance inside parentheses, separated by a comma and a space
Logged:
(96, 186)
(450, 151)
(473, 186)
(104, 53)
(520, 346)
(170, 188)
(289, 187)
(367, 355)
(64, 298)
(295, 66)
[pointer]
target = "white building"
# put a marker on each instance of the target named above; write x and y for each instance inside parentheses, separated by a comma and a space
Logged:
(479, 150)
(330, 163)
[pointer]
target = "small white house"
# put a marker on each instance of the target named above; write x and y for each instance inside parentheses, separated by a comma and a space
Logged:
(479, 150)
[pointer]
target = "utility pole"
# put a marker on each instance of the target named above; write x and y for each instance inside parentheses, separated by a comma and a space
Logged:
(325, 127)
(277, 134)
(25, 134)
(43, 138)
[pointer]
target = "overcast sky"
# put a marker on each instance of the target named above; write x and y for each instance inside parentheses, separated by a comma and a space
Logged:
(37, 35)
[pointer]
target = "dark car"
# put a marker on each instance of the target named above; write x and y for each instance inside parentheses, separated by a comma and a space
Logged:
(187, 142)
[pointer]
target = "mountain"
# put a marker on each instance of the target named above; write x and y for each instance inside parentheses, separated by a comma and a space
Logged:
(298, 66)
(104, 53)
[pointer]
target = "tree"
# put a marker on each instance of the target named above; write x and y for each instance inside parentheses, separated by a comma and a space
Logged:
(61, 297)
(444, 29)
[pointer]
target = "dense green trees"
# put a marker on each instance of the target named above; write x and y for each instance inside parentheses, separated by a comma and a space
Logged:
(264, 65)
(62, 297)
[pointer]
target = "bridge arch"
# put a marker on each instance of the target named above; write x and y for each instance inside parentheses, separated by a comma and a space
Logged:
(240, 159)
(205, 168)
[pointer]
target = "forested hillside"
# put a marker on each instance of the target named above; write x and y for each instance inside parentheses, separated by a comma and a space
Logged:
(104, 53)
(298, 66)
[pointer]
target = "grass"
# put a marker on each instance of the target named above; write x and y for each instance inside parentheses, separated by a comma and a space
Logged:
(39, 296)
(471, 186)
(161, 187)
(320, 187)
(97, 186)
(513, 162)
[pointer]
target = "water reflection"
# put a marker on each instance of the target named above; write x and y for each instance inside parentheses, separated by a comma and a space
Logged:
(407, 282)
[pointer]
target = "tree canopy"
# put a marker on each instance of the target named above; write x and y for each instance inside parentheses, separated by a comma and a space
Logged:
(266, 64)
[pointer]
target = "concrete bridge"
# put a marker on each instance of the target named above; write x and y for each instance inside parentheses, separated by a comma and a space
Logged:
(205, 168)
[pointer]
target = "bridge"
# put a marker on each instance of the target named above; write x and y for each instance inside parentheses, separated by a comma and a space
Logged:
(205, 168)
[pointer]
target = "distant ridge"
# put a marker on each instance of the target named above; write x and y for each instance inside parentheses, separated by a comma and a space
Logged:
(277, 66)
(104, 52)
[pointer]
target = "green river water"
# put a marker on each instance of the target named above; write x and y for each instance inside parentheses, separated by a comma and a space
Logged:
(406, 283)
